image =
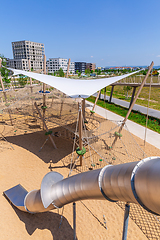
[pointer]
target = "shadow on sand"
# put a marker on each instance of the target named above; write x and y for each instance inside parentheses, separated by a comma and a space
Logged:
(47, 220)
(34, 141)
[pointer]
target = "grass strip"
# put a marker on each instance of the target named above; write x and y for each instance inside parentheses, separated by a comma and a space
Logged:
(135, 116)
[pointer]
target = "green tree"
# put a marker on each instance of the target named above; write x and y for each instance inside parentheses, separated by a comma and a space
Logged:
(144, 72)
(4, 71)
(60, 72)
(126, 90)
(99, 72)
(77, 71)
(124, 70)
(79, 74)
(87, 71)
(22, 80)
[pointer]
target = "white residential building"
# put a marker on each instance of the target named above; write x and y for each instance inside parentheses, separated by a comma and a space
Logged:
(25, 50)
(54, 64)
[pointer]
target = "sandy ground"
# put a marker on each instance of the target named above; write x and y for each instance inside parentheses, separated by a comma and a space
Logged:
(27, 166)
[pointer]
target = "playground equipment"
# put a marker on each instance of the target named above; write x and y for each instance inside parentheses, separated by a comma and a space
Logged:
(88, 187)
(135, 182)
(71, 87)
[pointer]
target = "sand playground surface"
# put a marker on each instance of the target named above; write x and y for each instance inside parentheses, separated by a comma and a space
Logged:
(24, 160)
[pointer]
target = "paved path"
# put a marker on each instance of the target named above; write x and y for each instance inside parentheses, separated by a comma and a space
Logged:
(136, 129)
(151, 112)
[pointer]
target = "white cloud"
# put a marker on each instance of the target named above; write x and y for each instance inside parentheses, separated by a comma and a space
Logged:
(91, 56)
(158, 56)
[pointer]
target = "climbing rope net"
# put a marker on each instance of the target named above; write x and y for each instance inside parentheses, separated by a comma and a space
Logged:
(61, 116)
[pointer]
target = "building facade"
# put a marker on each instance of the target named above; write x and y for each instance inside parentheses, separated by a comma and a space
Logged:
(80, 66)
(91, 66)
(54, 64)
(25, 50)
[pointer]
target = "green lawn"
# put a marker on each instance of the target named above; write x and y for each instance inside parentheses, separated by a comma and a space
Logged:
(142, 100)
(153, 123)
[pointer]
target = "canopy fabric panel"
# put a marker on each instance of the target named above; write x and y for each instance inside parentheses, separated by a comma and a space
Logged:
(74, 88)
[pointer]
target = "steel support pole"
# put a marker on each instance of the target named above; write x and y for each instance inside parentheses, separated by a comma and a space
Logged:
(105, 94)
(110, 99)
(74, 221)
(126, 219)
(133, 93)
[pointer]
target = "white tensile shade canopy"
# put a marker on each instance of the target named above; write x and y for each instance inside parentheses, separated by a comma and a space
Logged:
(74, 88)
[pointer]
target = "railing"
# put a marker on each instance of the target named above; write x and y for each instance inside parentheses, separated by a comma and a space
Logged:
(139, 79)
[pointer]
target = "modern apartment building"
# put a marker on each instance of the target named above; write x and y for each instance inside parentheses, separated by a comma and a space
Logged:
(25, 50)
(54, 64)
(80, 66)
(91, 66)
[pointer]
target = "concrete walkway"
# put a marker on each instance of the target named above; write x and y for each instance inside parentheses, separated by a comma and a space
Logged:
(152, 137)
(151, 112)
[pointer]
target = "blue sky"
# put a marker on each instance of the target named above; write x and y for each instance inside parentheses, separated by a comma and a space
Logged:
(107, 32)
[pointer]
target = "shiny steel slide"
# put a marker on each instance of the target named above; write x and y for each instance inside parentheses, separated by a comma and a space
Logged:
(136, 182)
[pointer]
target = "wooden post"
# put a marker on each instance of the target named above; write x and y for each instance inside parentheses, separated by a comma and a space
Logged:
(96, 100)
(110, 99)
(130, 109)
(63, 93)
(44, 123)
(61, 107)
(44, 89)
(69, 60)
(4, 93)
(80, 130)
(133, 93)
(52, 101)
(29, 66)
(83, 109)
(145, 135)
(12, 82)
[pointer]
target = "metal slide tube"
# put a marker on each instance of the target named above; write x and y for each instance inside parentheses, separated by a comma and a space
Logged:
(33, 203)
(136, 182)
(116, 182)
(78, 187)
(146, 184)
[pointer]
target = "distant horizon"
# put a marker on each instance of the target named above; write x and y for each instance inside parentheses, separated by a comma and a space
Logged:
(108, 33)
